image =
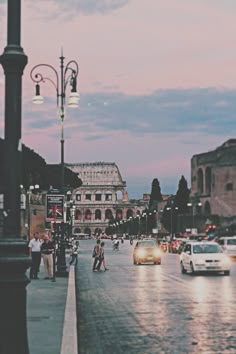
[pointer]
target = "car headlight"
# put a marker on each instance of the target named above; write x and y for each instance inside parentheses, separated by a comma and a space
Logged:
(157, 253)
(141, 253)
(226, 260)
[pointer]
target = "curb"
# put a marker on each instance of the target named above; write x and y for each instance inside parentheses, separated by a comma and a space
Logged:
(69, 343)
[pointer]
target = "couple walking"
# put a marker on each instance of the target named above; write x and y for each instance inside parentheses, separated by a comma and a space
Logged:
(99, 258)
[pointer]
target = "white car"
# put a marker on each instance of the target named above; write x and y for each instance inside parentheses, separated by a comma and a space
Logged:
(229, 245)
(204, 257)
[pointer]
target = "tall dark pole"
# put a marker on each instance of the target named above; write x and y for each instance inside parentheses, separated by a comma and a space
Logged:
(14, 259)
(62, 96)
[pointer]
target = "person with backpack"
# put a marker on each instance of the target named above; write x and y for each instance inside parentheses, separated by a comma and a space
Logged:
(96, 255)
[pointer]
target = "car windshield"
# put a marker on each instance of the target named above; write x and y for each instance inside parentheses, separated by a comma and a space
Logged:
(146, 244)
(207, 248)
(231, 242)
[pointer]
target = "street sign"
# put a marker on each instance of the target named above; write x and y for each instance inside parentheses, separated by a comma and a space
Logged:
(54, 207)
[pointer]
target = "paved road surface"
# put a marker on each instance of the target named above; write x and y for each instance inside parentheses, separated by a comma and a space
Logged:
(152, 309)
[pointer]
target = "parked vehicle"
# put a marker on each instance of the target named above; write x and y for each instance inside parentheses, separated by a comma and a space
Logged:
(229, 245)
(204, 257)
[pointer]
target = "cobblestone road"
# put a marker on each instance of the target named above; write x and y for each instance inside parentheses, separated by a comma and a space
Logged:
(152, 309)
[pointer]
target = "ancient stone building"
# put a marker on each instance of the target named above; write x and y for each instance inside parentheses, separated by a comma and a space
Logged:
(101, 197)
(213, 180)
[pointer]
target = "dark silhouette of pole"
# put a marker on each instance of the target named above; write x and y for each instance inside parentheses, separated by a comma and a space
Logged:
(14, 259)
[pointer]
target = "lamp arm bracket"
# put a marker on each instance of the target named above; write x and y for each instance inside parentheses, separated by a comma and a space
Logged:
(38, 77)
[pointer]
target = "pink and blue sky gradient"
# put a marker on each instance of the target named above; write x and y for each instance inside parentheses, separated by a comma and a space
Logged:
(157, 83)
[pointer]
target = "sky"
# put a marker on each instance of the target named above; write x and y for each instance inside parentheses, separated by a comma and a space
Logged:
(157, 83)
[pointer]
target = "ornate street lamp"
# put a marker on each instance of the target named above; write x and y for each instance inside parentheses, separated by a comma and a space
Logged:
(14, 259)
(68, 75)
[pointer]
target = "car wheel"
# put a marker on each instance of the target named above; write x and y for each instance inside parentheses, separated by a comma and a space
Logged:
(183, 270)
(226, 272)
(192, 268)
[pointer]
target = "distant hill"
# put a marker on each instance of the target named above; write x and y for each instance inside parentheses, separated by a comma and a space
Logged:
(35, 170)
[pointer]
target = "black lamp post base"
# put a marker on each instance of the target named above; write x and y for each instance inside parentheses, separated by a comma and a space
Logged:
(14, 261)
(61, 264)
(62, 273)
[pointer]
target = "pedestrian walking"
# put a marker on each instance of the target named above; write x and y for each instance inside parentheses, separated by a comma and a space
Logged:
(74, 253)
(47, 249)
(102, 258)
(96, 253)
(35, 254)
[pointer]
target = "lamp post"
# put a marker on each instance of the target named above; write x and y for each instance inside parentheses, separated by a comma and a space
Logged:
(171, 217)
(14, 259)
(68, 75)
(192, 205)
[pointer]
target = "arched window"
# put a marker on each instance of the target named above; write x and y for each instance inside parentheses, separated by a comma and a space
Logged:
(77, 230)
(88, 215)
(98, 214)
(108, 214)
(208, 180)
(78, 214)
(129, 213)
(119, 214)
(98, 231)
(200, 181)
(87, 231)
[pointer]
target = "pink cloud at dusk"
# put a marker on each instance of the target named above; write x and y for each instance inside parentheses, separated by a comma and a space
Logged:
(157, 82)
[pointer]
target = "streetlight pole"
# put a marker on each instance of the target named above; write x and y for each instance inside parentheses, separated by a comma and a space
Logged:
(14, 259)
(171, 218)
(191, 205)
(68, 75)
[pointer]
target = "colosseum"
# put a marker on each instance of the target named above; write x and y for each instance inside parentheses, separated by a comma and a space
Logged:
(213, 180)
(101, 198)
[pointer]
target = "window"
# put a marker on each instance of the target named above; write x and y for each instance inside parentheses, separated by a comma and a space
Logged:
(88, 196)
(229, 187)
(98, 197)
(78, 197)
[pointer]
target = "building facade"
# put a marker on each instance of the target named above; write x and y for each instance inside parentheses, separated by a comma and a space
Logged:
(213, 180)
(101, 198)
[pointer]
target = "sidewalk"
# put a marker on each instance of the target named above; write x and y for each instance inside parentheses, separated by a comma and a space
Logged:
(51, 315)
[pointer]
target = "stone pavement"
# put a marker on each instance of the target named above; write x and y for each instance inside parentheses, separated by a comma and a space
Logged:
(51, 315)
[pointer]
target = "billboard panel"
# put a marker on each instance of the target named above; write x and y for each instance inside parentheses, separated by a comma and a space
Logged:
(55, 207)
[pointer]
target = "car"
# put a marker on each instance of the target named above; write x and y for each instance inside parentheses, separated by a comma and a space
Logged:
(229, 245)
(204, 257)
(146, 251)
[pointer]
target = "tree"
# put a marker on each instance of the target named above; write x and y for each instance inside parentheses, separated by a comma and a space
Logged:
(156, 195)
(182, 196)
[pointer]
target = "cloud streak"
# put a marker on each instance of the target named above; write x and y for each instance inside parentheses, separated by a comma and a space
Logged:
(89, 7)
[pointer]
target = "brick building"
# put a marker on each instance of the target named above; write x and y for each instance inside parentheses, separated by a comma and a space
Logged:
(213, 180)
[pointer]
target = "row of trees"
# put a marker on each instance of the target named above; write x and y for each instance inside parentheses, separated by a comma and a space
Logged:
(35, 170)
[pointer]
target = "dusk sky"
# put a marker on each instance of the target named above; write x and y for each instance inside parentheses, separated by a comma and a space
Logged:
(157, 83)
